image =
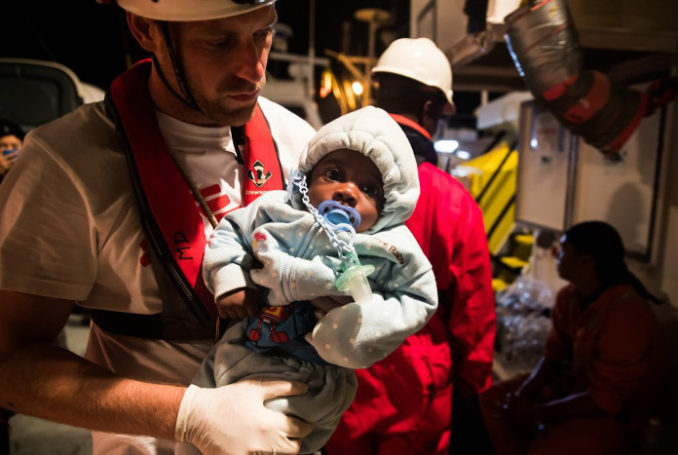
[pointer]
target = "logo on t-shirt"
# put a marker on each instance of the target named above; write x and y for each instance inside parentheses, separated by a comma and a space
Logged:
(217, 200)
(257, 174)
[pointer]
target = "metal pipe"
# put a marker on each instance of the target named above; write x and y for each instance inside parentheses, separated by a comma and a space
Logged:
(544, 45)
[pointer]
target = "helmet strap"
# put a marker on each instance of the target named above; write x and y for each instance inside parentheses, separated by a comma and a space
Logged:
(177, 68)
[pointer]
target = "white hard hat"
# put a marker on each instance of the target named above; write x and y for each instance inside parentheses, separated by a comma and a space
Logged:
(418, 59)
(190, 10)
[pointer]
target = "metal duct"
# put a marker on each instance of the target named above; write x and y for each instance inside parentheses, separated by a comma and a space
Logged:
(543, 43)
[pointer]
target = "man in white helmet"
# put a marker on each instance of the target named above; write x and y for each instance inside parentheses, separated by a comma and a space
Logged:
(404, 403)
(111, 209)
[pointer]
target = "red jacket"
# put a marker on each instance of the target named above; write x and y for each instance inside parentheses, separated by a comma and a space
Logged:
(404, 402)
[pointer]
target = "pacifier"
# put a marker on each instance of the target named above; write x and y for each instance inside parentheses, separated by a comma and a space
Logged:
(338, 215)
(353, 278)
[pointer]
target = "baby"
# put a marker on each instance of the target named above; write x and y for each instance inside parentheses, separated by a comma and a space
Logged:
(341, 222)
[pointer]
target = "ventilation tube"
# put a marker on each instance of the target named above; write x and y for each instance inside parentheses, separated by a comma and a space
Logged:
(545, 48)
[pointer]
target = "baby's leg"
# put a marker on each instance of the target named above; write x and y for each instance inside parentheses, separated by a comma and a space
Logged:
(331, 388)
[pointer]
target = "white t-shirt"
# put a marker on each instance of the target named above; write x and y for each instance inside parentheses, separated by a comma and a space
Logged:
(69, 226)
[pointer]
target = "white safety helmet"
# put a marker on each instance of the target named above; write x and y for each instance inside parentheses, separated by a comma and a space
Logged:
(418, 59)
(166, 11)
(189, 10)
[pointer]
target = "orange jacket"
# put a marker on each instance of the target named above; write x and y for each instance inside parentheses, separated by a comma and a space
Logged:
(614, 347)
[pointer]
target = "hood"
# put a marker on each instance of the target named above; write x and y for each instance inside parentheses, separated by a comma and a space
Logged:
(372, 132)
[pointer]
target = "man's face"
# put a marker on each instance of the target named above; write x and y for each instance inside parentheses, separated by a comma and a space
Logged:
(9, 142)
(224, 62)
(352, 179)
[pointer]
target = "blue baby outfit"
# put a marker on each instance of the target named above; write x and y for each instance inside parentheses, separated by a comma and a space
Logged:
(301, 264)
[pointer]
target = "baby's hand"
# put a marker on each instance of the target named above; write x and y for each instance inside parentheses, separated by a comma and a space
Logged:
(238, 303)
(288, 278)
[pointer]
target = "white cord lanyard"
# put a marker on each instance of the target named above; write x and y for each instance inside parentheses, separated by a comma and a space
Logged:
(343, 248)
(197, 195)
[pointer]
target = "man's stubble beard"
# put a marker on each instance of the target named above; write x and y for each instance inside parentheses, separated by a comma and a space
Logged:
(220, 114)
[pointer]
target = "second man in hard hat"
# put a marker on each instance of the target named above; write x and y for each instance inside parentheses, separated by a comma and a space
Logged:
(404, 403)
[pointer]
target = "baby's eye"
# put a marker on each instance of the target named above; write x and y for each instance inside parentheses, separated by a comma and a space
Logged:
(370, 190)
(333, 174)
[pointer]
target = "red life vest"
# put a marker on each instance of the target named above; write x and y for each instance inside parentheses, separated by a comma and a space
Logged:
(170, 215)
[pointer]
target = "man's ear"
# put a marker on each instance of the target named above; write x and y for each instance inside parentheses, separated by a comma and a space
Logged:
(429, 117)
(144, 31)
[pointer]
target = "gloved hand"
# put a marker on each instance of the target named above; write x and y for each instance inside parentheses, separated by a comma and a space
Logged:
(288, 278)
(233, 420)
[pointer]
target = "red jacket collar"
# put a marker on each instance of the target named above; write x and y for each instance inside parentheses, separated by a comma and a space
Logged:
(402, 120)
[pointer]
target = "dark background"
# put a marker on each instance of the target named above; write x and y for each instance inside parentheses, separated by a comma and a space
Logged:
(93, 41)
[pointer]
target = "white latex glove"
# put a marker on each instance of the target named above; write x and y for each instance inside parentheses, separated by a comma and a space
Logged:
(233, 420)
(288, 278)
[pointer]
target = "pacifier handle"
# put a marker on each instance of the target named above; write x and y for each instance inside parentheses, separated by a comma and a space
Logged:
(354, 281)
(353, 278)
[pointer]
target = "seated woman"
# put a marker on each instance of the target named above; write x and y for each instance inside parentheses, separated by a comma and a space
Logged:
(602, 374)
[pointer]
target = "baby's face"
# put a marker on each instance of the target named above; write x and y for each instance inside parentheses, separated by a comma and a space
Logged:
(352, 179)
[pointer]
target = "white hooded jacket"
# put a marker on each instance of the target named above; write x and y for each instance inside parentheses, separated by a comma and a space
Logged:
(301, 263)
